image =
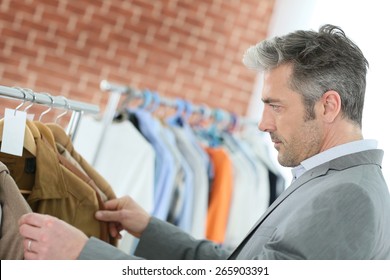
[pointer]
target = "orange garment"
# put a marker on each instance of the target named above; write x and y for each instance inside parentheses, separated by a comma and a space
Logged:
(220, 195)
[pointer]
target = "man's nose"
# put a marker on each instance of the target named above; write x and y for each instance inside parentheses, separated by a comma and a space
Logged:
(266, 123)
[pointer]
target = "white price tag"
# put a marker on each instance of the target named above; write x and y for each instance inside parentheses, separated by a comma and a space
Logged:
(13, 132)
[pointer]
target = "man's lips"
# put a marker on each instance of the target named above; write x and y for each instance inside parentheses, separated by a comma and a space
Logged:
(276, 142)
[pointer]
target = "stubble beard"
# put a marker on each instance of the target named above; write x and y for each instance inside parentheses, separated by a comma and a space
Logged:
(301, 146)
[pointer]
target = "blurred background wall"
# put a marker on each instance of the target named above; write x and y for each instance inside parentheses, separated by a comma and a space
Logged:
(179, 48)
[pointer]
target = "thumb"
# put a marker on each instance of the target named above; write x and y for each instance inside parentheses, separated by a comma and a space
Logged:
(108, 216)
(112, 204)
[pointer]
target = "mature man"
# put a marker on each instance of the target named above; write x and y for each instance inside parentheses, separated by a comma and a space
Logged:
(338, 204)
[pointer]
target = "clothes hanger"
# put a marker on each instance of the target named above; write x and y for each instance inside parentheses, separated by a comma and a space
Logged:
(188, 110)
(233, 124)
(201, 117)
(43, 130)
(59, 133)
(155, 102)
(121, 112)
(49, 109)
(29, 142)
(65, 112)
(180, 109)
(160, 112)
(213, 132)
(31, 102)
(147, 99)
(30, 128)
(155, 107)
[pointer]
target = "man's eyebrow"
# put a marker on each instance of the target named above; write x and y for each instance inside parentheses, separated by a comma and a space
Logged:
(270, 100)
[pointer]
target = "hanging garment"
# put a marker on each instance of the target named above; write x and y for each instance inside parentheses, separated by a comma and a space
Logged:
(55, 190)
(13, 206)
(260, 195)
(126, 160)
(72, 160)
(258, 147)
(202, 188)
(183, 205)
(200, 192)
(250, 196)
(220, 195)
(151, 128)
(180, 206)
(65, 147)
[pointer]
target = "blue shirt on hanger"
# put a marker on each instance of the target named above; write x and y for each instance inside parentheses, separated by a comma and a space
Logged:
(164, 169)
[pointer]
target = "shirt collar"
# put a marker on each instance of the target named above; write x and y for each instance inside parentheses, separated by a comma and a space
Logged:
(332, 153)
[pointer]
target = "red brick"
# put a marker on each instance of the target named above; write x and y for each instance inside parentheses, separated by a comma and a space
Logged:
(76, 7)
(28, 24)
(7, 18)
(51, 16)
(145, 5)
(175, 40)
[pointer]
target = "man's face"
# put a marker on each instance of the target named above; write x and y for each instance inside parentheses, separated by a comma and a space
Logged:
(294, 137)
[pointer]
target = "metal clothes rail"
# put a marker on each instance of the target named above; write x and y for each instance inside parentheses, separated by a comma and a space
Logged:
(116, 91)
(43, 98)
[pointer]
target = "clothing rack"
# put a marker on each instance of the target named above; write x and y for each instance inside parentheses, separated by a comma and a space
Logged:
(47, 99)
(132, 93)
(117, 90)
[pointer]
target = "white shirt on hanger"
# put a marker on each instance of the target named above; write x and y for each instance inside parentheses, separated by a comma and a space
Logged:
(250, 196)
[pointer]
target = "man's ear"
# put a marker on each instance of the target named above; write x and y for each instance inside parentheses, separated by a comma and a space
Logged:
(331, 103)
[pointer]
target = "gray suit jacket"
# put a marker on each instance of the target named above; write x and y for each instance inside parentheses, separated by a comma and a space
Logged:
(338, 210)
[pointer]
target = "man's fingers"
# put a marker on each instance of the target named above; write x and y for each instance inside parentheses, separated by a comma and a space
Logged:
(112, 204)
(115, 229)
(29, 231)
(108, 216)
(33, 219)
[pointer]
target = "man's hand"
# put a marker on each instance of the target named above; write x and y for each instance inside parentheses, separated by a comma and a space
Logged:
(124, 213)
(49, 238)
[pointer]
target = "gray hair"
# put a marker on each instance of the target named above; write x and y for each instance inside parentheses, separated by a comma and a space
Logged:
(321, 61)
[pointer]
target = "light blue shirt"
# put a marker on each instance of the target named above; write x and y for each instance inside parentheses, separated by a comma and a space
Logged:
(332, 153)
(164, 166)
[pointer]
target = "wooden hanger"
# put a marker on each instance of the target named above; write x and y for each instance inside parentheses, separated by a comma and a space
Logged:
(25, 191)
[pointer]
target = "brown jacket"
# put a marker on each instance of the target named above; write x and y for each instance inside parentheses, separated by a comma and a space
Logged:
(55, 190)
(93, 178)
(63, 139)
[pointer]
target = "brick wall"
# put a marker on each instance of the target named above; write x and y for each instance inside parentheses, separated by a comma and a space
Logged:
(180, 48)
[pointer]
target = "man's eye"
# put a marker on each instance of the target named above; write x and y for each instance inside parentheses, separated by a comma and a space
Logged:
(274, 107)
